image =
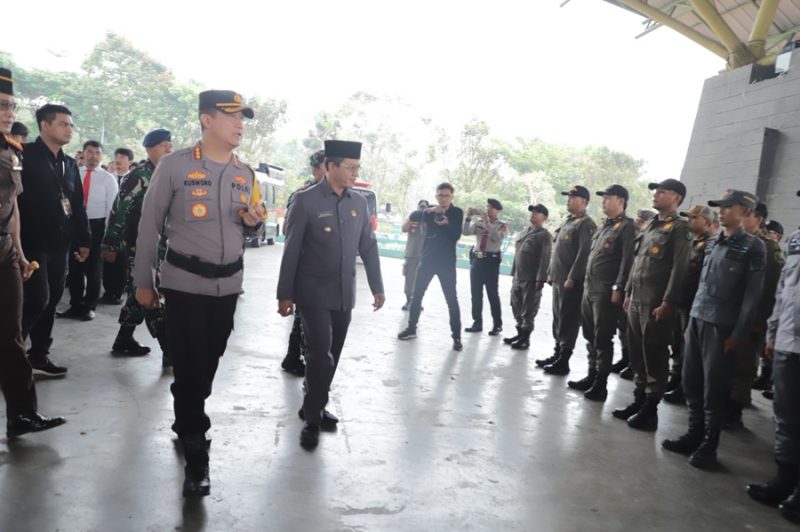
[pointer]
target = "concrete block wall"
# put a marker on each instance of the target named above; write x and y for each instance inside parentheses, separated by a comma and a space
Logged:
(727, 143)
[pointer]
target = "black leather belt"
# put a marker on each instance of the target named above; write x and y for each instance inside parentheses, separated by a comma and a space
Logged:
(485, 255)
(203, 269)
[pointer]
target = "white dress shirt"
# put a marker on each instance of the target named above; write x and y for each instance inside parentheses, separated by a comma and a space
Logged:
(103, 190)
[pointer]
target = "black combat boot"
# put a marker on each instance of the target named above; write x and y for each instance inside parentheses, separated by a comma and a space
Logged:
(764, 380)
(512, 339)
(622, 363)
(542, 362)
(673, 382)
(790, 508)
(689, 442)
(631, 409)
(292, 362)
(560, 366)
(524, 340)
(733, 416)
(196, 482)
(705, 457)
(125, 344)
(598, 391)
(647, 417)
(166, 358)
(476, 327)
(777, 489)
(585, 383)
(675, 397)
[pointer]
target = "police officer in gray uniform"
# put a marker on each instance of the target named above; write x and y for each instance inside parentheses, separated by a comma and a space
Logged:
(529, 273)
(653, 290)
(485, 258)
(573, 240)
(328, 225)
(720, 327)
(607, 272)
(783, 347)
(203, 199)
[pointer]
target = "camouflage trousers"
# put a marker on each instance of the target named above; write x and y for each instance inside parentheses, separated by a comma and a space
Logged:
(133, 314)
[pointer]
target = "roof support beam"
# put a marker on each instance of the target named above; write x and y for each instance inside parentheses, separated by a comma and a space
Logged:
(664, 19)
(758, 34)
(738, 53)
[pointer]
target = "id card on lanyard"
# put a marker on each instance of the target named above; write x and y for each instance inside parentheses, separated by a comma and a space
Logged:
(66, 206)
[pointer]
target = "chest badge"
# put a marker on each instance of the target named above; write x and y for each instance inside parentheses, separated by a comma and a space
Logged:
(667, 226)
(654, 250)
(197, 174)
(243, 198)
(199, 192)
(606, 245)
(240, 180)
(327, 229)
(199, 210)
(353, 213)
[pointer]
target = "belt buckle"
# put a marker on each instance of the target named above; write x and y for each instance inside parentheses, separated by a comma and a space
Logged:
(480, 254)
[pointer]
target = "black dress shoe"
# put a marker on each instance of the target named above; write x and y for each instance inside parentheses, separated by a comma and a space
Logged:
(675, 397)
(457, 346)
(196, 482)
(87, 316)
(46, 368)
(328, 421)
(309, 436)
(619, 365)
(34, 422)
(495, 330)
(627, 374)
(768, 394)
(476, 327)
(790, 508)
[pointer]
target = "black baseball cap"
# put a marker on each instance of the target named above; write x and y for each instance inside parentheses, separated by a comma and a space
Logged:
(539, 208)
(495, 204)
(736, 197)
(615, 190)
(226, 101)
(670, 184)
(578, 190)
(772, 225)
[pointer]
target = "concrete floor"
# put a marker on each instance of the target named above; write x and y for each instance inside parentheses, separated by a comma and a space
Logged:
(430, 439)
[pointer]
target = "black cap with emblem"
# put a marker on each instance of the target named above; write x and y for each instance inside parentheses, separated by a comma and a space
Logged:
(670, 184)
(736, 197)
(615, 190)
(342, 149)
(6, 82)
(226, 101)
(538, 208)
(579, 191)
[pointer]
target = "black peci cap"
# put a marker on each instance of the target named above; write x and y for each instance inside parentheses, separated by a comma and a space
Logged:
(343, 149)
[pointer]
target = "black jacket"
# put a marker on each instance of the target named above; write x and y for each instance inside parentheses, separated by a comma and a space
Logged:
(45, 226)
(440, 240)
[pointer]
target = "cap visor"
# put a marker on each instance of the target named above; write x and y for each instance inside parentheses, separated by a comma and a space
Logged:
(566, 194)
(601, 193)
(722, 203)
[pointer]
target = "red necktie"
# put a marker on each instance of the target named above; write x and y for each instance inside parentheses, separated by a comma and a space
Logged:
(87, 181)
(484, 240)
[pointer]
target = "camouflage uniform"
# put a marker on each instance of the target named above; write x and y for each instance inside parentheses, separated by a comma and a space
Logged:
(120, 236)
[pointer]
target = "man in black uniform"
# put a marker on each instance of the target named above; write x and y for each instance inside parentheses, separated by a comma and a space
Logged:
(442, 231)
(721, 326)
(293, 361)
(54, 223)
(607, 272)
(328, 225)
(16, 376)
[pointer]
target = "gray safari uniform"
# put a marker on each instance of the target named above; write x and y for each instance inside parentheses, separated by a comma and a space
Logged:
(783, 329)
(324, 233)
(484, 269)
(531, 260)
(724, 307)
(413, 252)
(197, 203)
(607, 271)
(573, 241)
(658, 272)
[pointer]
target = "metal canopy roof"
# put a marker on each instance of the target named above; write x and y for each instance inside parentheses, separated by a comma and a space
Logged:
(740, 31)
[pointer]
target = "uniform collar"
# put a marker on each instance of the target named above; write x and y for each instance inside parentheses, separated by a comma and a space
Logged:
(327, 189)
(198, 155)
(574, 216)
(737, 235)
(42, 146)
(619, 218)
(11, 141)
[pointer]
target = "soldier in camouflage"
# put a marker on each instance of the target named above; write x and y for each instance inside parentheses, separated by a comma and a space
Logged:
(120, 240)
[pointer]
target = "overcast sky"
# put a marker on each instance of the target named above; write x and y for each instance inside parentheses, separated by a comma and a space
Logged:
(529, 67)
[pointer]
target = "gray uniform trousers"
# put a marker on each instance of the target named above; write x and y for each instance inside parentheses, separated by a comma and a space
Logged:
(786, 378)
(325, 332)
(525, 300)
(566, 315)
(707, 372)
(649, 355)
(599, 319)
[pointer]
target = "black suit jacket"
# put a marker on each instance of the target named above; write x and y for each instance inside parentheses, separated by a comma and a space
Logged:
(44, 225)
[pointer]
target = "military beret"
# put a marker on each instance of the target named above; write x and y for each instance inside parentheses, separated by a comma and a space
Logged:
(155, 137)
(495, 204)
